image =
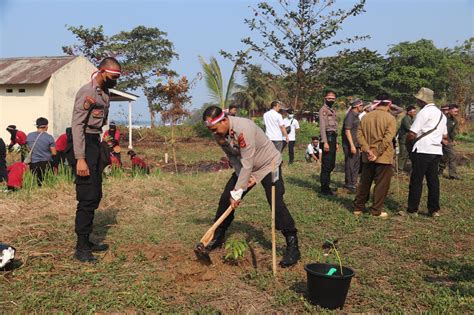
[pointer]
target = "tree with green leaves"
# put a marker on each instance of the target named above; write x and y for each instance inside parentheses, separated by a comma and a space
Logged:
(92, 43)
(412, 65)
(459, 71)
(255, 93)
(144, 53)
(354, 73)
(215, 81)
(292, 35)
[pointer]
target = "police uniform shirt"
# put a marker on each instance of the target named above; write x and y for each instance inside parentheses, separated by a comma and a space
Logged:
(452, 128)
(231, 150)
(327, 122)
(257, 153)
(85, 97)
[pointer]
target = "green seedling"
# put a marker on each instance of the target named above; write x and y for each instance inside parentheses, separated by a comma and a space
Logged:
(235, 250)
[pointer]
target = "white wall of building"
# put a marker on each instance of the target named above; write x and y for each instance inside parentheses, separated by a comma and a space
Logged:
(22, 109)
(66, 82)
(53, 99)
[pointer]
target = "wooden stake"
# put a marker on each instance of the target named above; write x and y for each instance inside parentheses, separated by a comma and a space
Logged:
(274, 265)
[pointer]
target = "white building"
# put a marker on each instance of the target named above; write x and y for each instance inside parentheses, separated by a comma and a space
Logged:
(40, 87)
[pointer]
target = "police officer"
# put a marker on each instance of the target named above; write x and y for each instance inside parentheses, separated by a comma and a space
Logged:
(329, 146)
(90, 113)
(405, 125)
(449, 152)
(253, 157)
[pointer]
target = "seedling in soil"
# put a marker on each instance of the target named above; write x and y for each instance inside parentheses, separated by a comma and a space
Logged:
(330, 246)
(235, 250)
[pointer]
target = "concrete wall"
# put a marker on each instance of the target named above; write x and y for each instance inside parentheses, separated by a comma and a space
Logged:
(66, 82)
(22, 109)
(53, 99)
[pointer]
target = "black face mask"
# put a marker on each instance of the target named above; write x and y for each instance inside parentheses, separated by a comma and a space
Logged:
(329, 103)
(109, 83)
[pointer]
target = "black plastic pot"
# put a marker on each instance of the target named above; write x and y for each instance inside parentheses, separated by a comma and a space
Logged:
(328, 291)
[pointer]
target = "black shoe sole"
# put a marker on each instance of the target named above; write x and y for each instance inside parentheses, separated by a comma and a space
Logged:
(85, 258)
(102, 248)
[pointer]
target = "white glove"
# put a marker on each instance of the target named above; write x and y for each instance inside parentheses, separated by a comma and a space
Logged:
(237, 194)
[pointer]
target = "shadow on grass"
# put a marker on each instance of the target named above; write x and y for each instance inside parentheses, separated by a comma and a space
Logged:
(455, 275)
(103, 221)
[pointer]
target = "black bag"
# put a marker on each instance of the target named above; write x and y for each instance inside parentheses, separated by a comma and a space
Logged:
(288, 129)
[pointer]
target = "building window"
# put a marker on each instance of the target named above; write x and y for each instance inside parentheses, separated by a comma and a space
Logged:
(9, 90)
(21, 90)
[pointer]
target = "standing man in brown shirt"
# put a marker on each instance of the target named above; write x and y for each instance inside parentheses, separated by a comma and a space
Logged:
(329, 145)
(375, 135)
(91, 109)
(253, 156)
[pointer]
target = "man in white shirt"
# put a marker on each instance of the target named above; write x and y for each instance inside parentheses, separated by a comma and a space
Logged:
(427, 133)
(293, 125)
(313, 151)
(274, 125)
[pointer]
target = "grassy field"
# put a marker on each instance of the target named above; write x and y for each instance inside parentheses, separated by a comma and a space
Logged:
(152, 223)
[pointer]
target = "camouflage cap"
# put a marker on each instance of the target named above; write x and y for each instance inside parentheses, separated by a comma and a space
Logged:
(426, 95)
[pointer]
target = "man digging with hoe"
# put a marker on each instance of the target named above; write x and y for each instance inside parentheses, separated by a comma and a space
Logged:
(253, 157)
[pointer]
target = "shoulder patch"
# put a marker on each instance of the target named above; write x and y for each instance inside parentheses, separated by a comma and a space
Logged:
(241, 140)
(89, 102)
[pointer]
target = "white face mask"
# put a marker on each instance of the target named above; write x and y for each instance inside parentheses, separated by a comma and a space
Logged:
(291, 116)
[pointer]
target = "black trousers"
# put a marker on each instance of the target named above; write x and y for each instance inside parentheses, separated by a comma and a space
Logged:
(291, 151)
(283, 220)
(39, 169)
(328, 161)
(424, 165)
(88, 188)
(279, 145)
(351, 166)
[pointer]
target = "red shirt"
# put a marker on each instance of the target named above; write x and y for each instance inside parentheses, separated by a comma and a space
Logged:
(116, 136)
(137, 162)
(15, 174)
(114, 161)
(61, 142)
(20, 138)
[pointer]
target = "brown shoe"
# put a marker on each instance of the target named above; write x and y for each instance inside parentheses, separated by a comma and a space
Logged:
(382, 215)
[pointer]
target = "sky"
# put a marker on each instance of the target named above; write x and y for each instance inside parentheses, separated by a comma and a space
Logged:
(203, 27)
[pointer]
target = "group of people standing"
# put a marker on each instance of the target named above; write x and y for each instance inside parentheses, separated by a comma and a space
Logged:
(369, 134)
(369, 143)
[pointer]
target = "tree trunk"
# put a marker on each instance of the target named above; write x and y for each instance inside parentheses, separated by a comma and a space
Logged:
(152, 118)
(172, 145)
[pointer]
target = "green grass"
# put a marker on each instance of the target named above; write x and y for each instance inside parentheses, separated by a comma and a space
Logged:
(152, 222)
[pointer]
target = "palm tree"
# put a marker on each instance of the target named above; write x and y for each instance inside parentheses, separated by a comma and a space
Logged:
(256, 91)
(215, 82)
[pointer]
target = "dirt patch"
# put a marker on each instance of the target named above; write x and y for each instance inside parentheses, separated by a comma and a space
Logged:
(204, 166)
(465, 158)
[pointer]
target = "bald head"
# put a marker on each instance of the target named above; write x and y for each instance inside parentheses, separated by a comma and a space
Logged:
(111, 63)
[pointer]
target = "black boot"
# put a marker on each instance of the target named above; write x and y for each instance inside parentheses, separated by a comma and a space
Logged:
(292, 254)
(97, 247)
(83, 251)
(218, 240)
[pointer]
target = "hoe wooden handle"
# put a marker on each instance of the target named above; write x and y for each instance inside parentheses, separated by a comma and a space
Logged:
(210, 233)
